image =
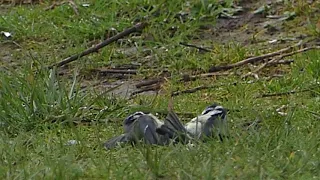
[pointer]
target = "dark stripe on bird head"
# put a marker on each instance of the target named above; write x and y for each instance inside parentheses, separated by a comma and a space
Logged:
(133, 117)
(211, 108)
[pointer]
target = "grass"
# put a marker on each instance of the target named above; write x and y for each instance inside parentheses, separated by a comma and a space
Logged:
(42, 110)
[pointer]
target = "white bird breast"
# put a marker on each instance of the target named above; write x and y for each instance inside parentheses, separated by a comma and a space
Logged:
(196, 125)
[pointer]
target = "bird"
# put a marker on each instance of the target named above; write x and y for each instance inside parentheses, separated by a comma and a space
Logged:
(211, 122)
(139, 127)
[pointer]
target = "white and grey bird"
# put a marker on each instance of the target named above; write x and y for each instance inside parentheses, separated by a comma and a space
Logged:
(139, 127)
(211, 123)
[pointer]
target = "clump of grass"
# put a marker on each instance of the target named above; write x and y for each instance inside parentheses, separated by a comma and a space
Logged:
(30, 100)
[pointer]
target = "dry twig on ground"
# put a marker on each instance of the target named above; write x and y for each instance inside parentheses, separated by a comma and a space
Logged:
(115, 71)
(136, 28)
(280, 57)
(194, 46)
(253, 59)
(154, 87)
(282, 93)
(186, 77)
(149, 82)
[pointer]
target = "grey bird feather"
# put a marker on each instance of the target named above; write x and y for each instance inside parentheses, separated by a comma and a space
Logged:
(144, 128)
(174, 128)
(116, 141)
(139, 128)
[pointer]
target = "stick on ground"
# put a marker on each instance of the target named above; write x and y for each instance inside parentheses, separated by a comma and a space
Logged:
(149, 82)
(194, 46)
(282, 93)
(186, 77)
(278, 58)
(136, 28)
(253, 59)
(115, 71)
(154, 87)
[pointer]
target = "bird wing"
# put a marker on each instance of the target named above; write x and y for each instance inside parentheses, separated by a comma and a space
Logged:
(222, 126)
(146, 128)
(165, 131)
(216, 126)
(115, 141)
(174, 128)
(173, 122)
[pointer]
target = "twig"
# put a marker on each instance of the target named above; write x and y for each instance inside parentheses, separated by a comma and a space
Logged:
(274, 60)
(135, 28)
(154, 87)
(194, 46)
(281, 93)
(115, 71)
(127, 66)
(252, 59)
(186, 77)
(192, 90)
(74, 7)
(149, 82)
(300, 51)
(288, 61)
(259, 68)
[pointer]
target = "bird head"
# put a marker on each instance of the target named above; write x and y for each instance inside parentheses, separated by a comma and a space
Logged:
(214, 110)
(132, 118)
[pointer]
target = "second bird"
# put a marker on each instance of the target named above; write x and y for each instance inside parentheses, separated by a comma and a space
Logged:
(139, 127)
(211, 122)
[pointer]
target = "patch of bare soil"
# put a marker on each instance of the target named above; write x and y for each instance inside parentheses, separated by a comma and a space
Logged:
(7, 50)
(260, 22)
